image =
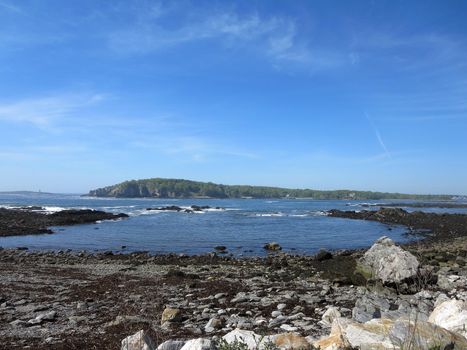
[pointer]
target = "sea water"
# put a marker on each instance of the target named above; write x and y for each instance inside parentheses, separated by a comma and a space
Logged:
(242, 225)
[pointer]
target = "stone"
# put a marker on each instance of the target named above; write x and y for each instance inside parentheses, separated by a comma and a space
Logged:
(281, 307)
(212, 325)
(171, 345)
(291, 341)
(441, 299)
(273, 246)
(425, 336)
(451, 315)
(127, 319)
(288, 328)
(388, 262)
(276, 313)
(384, 334)
(48, 316)
(171, 315)
(330, 315)
(19, 323)
(448, 282)
(138, 341)
(198, 344)
(251, 339)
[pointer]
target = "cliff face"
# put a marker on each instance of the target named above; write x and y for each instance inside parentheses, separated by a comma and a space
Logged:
(127, 190)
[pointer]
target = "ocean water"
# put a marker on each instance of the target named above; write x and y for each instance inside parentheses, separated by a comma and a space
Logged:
(243, 225)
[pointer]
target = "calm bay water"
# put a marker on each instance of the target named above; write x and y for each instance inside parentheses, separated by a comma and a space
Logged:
(244, 226)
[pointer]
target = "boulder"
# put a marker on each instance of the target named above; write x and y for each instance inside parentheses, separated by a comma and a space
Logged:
(388, 262)
(171, 345)
(138, 341)
(171, 315)
(451, 315)
(198, 344)
(291, 341)
(330, 315)
(385, 334)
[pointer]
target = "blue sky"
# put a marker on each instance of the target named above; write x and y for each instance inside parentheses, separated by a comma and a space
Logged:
(367, 95)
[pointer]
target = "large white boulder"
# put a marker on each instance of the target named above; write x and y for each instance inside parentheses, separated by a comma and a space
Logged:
(138, 341)
(451, 315)
(385, 334)
(388, 262)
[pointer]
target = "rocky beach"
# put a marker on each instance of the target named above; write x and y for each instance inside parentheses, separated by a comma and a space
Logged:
(376, 298)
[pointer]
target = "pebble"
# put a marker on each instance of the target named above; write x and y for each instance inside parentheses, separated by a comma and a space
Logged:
(276, 313)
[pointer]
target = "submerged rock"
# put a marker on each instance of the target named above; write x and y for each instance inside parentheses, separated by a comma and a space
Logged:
(388, 262)
(273, 246)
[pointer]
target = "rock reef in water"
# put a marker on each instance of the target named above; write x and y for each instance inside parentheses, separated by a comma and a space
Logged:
(26, 221)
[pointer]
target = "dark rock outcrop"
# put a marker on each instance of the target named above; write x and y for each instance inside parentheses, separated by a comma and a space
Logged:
(25, 222)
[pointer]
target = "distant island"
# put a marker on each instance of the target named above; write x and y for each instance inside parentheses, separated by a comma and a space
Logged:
(179, 188)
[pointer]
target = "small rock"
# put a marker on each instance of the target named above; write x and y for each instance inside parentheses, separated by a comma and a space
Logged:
(288, 328)
(212, 325)
(18, 323)
(276, 313)
(171, 315)
(281, 307)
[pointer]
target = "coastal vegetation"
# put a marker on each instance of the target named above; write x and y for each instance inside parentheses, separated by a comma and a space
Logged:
(179, 188)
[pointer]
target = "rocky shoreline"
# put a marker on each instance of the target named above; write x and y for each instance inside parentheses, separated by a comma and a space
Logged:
(433, 226)
(80, 300)
(71, 300)
(31, 220)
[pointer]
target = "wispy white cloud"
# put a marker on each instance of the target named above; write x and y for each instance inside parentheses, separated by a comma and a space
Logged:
(378, 136)
(274, 37)
(83, 124)
(43, 111)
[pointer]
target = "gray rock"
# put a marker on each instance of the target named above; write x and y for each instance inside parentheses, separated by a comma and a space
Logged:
(276, 313)
(171, 345)
(388, 262)
(19, 323)
(138, 341)
(198, 344)
(212, 325)
(281, 307)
